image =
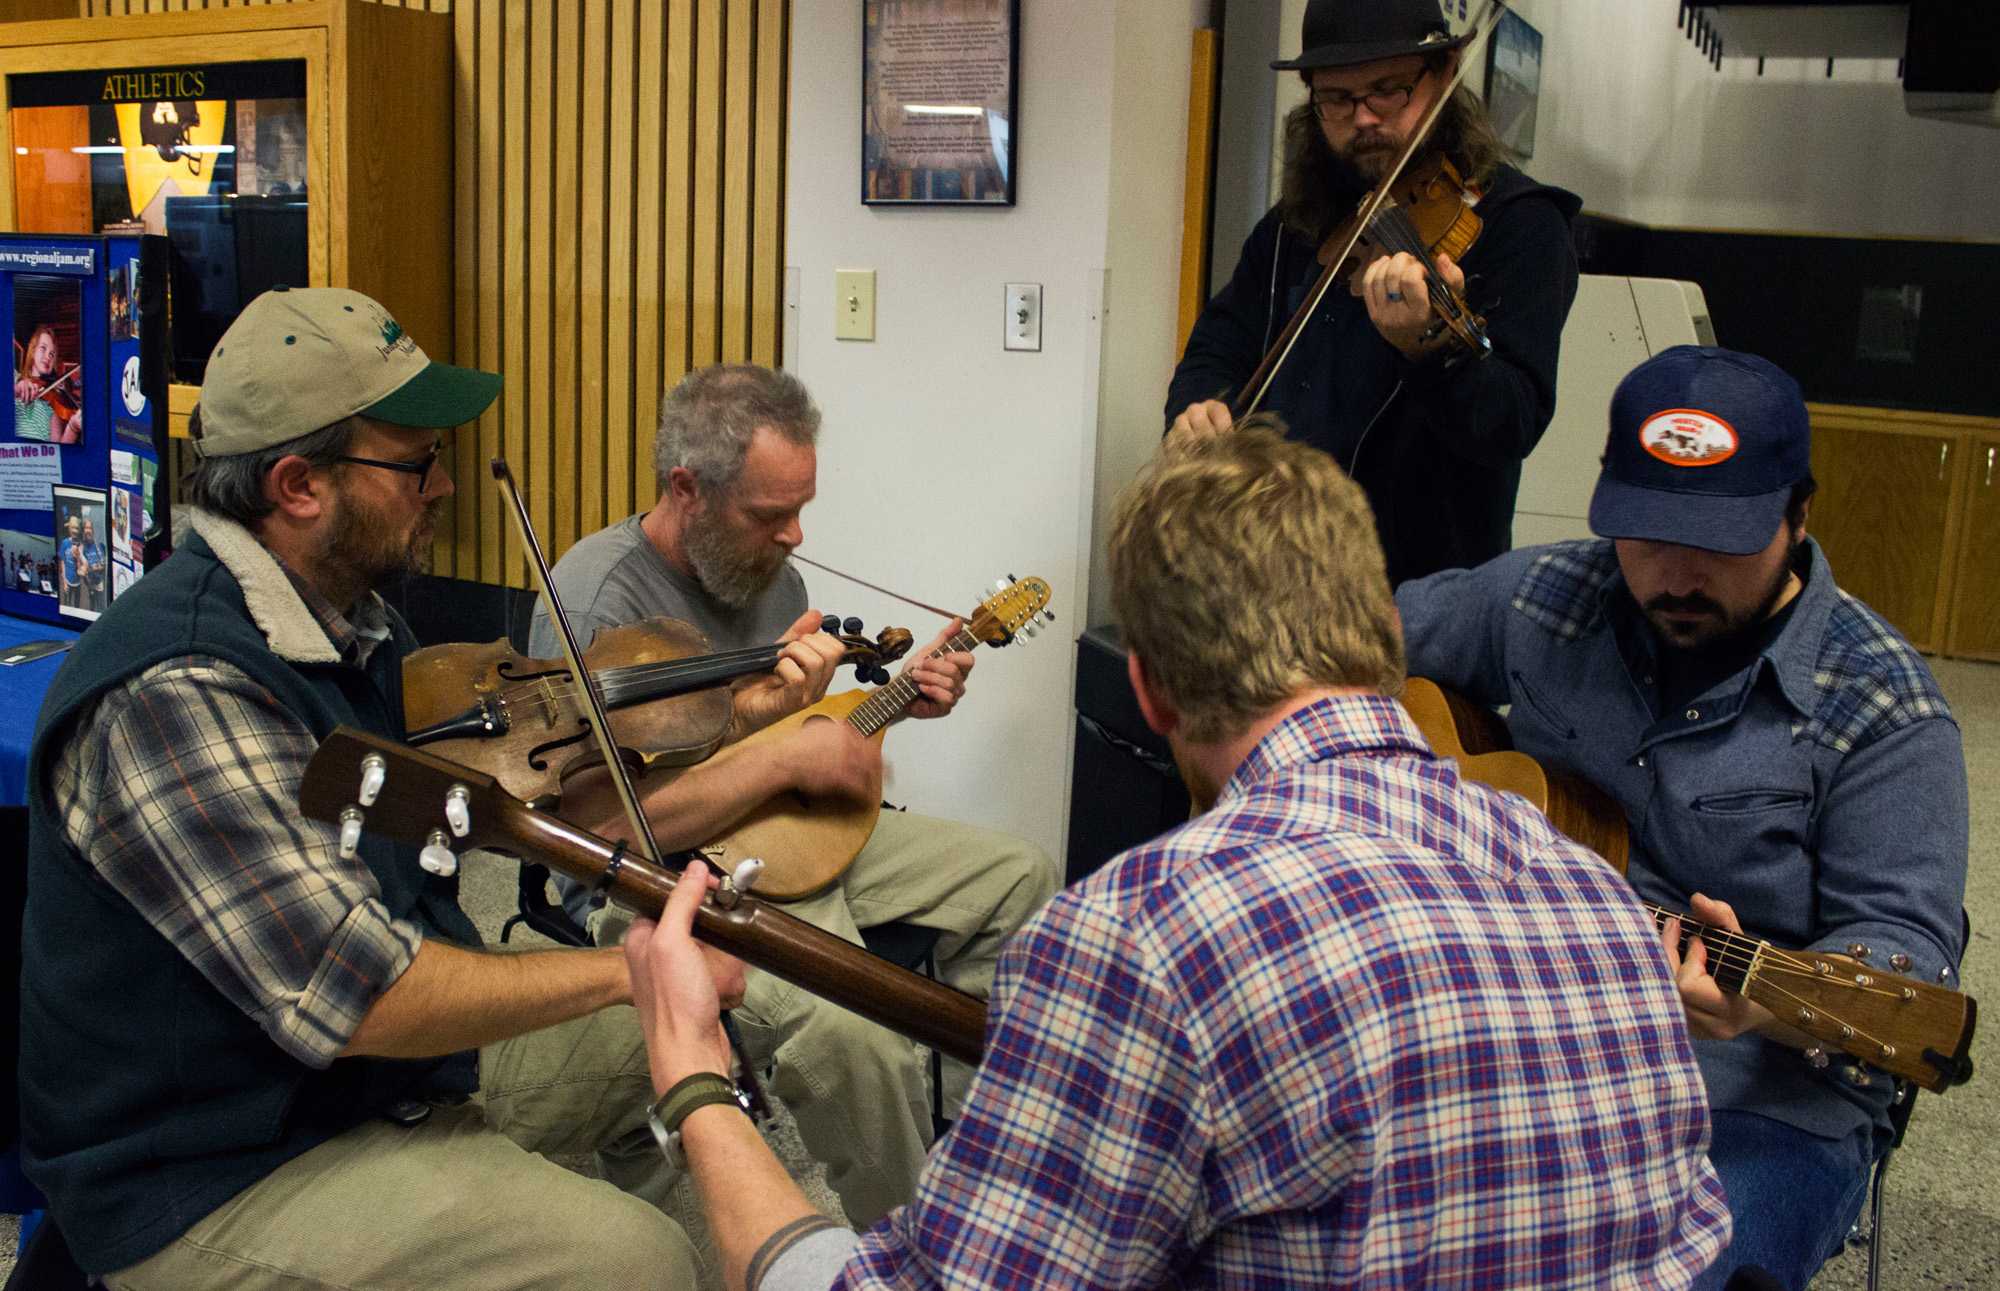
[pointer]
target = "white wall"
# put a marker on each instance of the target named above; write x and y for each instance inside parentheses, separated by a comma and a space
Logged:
(945, 461)
(1639, 124)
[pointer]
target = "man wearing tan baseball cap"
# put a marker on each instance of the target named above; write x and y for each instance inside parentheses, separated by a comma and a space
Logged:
(249, 1054)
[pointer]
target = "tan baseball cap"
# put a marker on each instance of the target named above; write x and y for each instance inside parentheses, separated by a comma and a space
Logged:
(298, 359)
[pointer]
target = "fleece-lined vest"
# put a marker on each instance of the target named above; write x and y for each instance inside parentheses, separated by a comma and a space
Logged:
(147, 1099)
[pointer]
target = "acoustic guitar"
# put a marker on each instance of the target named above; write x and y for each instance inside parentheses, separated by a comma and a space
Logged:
(806, 846)
(1909, 1028)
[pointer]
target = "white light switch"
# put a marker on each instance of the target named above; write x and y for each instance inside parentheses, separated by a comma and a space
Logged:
(1024, 316)
(854, 304)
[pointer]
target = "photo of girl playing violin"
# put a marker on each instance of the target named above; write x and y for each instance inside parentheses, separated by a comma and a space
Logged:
(48, 389)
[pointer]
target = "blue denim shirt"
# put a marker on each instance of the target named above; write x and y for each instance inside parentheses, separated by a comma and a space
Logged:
(1820, 791)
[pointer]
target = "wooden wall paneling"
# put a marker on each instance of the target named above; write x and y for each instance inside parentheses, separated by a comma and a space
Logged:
(458, 528)
(655, 334)
(677, 197)
(492, 282)
(539, 267)
(767, 262)
(567, 142)
(516, 176)
(1198, 190)
(593, 425)
(628, 57)
(739, 86)
(704, 276)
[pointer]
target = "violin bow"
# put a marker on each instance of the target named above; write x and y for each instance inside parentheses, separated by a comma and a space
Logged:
(1371, 206)
(600, 727)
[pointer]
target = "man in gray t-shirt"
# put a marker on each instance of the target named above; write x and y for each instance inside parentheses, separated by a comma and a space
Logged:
(737, 463)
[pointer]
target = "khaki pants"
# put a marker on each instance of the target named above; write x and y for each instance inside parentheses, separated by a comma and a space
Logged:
(858, 1090)
(462, 1200)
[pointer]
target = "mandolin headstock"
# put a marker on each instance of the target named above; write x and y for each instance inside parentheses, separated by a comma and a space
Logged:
(1015, 607)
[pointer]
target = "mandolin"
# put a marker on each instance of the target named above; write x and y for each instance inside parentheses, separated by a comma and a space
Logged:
(807, 846)
(1916, 1030)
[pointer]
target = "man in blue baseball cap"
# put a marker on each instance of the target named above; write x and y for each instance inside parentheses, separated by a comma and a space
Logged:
(1784, 758)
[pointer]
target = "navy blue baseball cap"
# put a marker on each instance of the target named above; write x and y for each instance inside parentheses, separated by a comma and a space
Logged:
(1704, 449)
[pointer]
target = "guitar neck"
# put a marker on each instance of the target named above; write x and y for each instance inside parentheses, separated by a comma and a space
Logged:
(889, 702)
(1732, 956)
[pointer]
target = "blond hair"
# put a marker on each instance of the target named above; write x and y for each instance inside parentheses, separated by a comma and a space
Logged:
(1245, 569)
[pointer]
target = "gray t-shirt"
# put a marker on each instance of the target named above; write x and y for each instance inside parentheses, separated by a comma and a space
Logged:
(615, 576)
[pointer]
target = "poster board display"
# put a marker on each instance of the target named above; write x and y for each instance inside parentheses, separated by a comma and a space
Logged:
(82, 513)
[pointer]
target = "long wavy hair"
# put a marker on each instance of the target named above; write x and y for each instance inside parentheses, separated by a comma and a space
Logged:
(1319, 191)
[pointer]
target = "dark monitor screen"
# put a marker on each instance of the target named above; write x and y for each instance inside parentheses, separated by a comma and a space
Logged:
(226, 252)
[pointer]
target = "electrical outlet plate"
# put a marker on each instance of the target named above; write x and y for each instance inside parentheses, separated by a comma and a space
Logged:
(1024, 316)
(854, 304)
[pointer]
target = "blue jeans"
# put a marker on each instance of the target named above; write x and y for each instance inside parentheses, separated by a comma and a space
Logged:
(1793, 1196)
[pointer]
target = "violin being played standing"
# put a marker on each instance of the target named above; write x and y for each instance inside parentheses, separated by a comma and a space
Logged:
(1441, 273)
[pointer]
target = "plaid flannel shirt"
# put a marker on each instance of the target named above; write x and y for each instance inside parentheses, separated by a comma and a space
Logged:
(1361, 1024)
(178, 789)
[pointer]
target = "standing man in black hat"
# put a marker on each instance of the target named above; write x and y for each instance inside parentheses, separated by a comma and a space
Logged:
(1434, 433)
(1782, 755)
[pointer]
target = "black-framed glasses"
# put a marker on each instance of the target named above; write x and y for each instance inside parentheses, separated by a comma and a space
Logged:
(1338, 105)
(421, 468)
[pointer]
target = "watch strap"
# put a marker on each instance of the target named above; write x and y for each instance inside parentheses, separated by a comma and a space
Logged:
(699, 1090)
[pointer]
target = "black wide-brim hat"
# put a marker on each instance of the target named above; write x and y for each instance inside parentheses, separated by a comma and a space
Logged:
(1341, 33)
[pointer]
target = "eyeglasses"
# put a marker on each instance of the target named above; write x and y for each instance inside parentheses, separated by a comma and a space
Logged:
(1338, 105)
(421, 468)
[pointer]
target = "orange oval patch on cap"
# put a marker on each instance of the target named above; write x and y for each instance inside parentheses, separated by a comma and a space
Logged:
(1688, 437)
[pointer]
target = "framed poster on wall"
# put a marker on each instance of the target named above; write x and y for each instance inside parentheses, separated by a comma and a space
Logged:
(939, 102)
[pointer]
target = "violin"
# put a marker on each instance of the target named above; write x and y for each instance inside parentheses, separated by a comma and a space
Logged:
(523, 722)
(1426, 212)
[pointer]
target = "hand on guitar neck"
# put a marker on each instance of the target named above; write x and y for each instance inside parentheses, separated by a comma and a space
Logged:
(1712, 1012)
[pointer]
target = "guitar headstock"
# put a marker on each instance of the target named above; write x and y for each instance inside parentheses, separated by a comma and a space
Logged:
(1909, 1028)
(1015, 607)
(359, 781)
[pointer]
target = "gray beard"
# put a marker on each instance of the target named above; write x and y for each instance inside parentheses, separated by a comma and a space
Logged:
(727, 572)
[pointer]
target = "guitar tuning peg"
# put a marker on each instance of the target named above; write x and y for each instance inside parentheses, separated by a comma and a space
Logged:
(458, 810)
(1012, 579)
(746, 874)
(436, 857)
(1050, 615)
(999, 585)
(374, 771)
(1816, 1058)
(350, 832)
(851, 626)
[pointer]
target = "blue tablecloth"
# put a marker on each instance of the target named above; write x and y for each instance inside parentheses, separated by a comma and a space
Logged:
(21, 689)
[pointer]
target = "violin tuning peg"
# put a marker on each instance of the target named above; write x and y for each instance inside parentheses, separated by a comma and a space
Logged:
(830, 624)
(436, 857)
(851, 626)
(374, 771)
(350, 832)
(458, 810)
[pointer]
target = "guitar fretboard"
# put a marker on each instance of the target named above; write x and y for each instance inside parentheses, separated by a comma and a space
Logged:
(888, 703)
(1731, 955)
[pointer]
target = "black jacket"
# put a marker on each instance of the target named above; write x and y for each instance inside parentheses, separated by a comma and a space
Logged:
(1437, 446)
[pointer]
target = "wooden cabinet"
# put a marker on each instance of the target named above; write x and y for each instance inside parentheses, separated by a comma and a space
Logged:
(1909, 515)
(1975, 602)
(378, 127)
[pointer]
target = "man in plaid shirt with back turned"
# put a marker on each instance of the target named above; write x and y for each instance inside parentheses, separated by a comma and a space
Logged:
(1358, 1023)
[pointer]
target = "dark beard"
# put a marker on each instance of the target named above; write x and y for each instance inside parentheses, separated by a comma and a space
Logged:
(732, 574)
(1736, 630)
(361, 553)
